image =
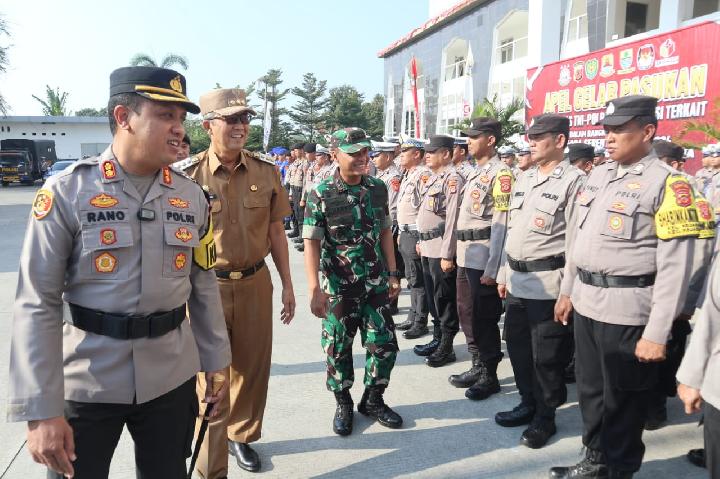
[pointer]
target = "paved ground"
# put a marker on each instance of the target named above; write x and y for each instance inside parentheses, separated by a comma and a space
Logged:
(445, 435)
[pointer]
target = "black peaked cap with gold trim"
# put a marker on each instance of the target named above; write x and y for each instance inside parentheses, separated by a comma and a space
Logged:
(153, 83)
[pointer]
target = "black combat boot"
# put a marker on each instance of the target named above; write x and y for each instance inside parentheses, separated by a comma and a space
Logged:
(487, 383)
(418, 330)
(520, 415)
(538, 433)
(444, 354)
(469, 377)
(429, 348)
(592, 467)
(696, 457)
(295, 232)
(343, 420)
(288, 226)
(298, 240)
(373, 405)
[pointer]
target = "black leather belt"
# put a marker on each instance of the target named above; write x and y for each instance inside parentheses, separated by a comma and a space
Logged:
(240, 274)
(473, 234)
(610, 281)
(126, 326)
(429, 235)
(545, 264)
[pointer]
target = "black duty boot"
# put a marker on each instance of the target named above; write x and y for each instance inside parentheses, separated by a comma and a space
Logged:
(405, 325)
(343, 420)
(373, 405)
(696, 457)
(288, 226)
(417, 330)
(429, 348)
(444, 354)
(593, 466)
(538, 433)
(294, 233)
(298, 240)
(520, 415)
(469, 377)
(487, 384)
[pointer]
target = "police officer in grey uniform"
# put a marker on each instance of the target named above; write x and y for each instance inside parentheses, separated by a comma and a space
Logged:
(626, 277)
(412, 189)
(581, 156)
(481, 229)
(116, 247)
(541, 209)
(436, 224)
(463, 162)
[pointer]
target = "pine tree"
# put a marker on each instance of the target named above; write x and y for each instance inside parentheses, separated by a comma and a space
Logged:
(309, 112)
(345, 108)
(274, 95)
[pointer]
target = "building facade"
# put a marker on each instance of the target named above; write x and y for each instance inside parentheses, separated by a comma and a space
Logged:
(74, 136)
(472, 49)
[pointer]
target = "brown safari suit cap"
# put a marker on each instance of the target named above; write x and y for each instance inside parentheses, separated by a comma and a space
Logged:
(224, 102)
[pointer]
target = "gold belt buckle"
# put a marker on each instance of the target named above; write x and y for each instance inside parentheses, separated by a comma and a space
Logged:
(236, 275)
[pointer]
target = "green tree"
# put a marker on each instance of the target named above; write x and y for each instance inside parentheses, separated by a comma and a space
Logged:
(705, 131)
(54, 102)
(309, 111)
(4, 107)
(491, 107)
(199, 139)
(374, 116)
(92, 112)
(168, 61)
(345, 108)
(274, 95)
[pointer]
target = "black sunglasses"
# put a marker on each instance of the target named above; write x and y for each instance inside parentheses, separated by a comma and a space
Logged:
(243, 118)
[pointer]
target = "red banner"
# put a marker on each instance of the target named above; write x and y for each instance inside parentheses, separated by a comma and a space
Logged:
(413, 84)
(681, 68)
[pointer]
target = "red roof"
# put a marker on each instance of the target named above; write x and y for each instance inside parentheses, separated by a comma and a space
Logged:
(458, 9)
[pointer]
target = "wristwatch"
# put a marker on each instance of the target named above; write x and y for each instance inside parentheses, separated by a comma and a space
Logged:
(394, 274)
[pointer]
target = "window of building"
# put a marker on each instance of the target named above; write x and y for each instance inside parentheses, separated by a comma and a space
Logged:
(506, 50)
(635, 18)
(410, 123)
(578, 20)
(705, 7)
(8, 129)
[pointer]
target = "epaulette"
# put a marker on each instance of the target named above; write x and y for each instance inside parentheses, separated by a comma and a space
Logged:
(194, 161)
(260, 157)
(92, 161)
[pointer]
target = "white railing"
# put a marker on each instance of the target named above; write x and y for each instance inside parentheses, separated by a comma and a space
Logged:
(509, 51)
(456, 70)
(577, 28)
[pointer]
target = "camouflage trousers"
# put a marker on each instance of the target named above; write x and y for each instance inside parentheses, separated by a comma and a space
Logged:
(370, 314)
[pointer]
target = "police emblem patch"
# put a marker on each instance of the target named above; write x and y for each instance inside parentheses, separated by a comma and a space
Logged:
(42, 204)
(105, 263)
(180, 261)
(103, 201)
(683, 193)
(178, 202)
(615, 223)
(108, 236)
(485, 179)
(108, 169)
(539, 222)
(176, 84)
(475, 194)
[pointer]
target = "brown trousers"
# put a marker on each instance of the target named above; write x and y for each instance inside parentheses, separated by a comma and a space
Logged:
(247, 304)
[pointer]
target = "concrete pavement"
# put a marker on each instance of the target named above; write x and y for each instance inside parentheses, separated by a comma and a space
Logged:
(444, 435)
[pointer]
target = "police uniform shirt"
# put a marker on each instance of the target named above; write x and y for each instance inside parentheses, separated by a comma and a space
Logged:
(439, 210)
(465, 169)
(316, 175)
(617, 234)
(485, 204)
(297, 175)
(244, 201)
(392, 177)
(412, 190)
(86, 245)
(541, 209)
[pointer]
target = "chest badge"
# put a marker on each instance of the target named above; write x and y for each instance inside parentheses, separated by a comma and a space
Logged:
(105, 263)
(108, 236)
(253, 188)
(615, 223)
(634, 186)
(475, 194)
(103, 201)
(539, 222)
(178, 203)
(183, 234)
(485, 179)
(180, 261)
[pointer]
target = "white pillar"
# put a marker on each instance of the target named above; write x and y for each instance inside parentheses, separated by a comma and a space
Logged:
(671, 12)
(544, 29)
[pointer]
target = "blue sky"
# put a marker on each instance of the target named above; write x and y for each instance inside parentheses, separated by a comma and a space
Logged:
(75, 44)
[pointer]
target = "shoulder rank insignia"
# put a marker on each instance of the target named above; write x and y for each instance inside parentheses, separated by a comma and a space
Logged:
(166, 176)
(108, 169)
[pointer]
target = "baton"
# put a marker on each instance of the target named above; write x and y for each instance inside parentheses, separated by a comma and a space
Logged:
(217, 382)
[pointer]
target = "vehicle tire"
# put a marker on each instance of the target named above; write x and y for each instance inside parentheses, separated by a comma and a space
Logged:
(4, 183)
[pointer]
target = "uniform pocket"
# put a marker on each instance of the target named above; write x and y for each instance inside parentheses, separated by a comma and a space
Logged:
(619, 219)
(106, 252)
(553, 344)
(177, 255)
(629, 373)
(544, 217)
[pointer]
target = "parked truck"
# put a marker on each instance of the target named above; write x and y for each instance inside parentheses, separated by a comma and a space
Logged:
(25, 161)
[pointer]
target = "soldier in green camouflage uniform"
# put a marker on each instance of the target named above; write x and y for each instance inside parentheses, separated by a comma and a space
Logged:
(348, 238)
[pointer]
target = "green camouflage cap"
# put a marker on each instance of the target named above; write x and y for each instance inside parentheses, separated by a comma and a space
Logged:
(351, 140)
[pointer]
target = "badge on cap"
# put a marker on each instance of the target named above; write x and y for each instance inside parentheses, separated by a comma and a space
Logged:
(108, 170)
(610, 109)
(103, 201)
(105, 263)
(176, 84)
(42, 204)
(108, 236)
